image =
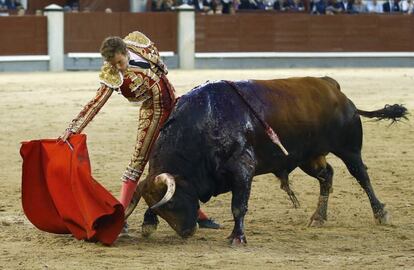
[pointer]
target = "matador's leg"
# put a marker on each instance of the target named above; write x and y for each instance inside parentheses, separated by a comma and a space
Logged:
(151, 118)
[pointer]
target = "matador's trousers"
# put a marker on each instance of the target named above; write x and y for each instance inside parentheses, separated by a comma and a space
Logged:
(152, 116)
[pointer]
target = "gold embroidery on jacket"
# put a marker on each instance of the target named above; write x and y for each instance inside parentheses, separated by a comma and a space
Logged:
(142, 92)
(136, 80)
(110, 76)
(144, 123)
(145, 114)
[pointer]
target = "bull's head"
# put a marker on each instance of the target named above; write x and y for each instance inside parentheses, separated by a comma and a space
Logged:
(170, 200)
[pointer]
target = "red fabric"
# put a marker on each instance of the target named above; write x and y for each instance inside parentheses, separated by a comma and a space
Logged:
(59, 194)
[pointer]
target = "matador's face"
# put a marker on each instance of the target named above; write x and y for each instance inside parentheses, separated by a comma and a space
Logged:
(120, 62)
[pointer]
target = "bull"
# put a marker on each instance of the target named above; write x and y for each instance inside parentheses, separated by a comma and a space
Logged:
(215, 142)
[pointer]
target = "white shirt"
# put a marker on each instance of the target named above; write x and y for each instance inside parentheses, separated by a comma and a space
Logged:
(137, 58)
(374, 8)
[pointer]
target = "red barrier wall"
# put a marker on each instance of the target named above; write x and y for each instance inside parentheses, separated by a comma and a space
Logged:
(247, 32)
(84, 32)
(25, 35)
(275, 32)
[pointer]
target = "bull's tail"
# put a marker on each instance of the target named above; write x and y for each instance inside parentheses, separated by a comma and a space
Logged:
(394, 112)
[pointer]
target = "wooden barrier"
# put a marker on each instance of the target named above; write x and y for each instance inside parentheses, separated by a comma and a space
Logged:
(271, 32)
(255, 32)
(84, 32)
(26, 35)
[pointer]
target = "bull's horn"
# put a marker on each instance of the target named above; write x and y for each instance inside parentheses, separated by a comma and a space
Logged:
(135, 199)
(169, 181)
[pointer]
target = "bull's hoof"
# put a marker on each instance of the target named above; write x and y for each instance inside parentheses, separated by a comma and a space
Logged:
(316, 223)
(237, 240)
(383, 218)
(150, 224)
(148, 229)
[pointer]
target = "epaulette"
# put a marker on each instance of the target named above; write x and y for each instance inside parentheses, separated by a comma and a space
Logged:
(143, 46)
(110, 76)
(138, 39)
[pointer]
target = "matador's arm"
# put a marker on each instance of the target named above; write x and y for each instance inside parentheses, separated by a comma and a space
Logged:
(90, 110)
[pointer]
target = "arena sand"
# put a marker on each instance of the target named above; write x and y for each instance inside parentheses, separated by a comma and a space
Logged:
(40, 105)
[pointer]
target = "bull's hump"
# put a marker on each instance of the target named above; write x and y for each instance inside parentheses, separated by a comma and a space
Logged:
(204, 98)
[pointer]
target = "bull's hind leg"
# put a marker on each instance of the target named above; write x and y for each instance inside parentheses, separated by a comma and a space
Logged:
(322, 171)
(357, 168)
(284, 185)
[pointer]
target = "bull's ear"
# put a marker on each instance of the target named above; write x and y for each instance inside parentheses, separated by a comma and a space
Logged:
(161, 183)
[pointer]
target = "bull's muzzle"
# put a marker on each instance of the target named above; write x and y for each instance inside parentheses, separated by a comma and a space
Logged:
(188, 232)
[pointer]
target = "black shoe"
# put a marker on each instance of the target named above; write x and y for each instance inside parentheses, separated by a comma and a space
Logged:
(208, 224)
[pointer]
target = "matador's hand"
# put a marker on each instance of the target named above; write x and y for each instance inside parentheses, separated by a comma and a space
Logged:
(65, 136)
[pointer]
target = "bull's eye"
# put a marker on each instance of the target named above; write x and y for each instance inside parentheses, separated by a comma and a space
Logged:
(170, 205)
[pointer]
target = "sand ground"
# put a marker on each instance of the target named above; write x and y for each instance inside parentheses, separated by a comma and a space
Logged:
(40, 105)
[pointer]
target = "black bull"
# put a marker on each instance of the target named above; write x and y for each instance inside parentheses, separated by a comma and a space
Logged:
(214, 143)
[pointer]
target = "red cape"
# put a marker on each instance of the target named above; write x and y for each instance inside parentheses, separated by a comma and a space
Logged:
(59, 194)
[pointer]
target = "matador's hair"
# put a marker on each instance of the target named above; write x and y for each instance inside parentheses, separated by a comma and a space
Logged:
(112, 45)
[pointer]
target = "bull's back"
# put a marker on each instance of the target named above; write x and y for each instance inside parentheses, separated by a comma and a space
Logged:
(293, 106)
(302, 102)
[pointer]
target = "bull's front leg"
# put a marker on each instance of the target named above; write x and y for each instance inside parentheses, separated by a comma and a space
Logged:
(241, 186)
(239, 209)
(150, 224)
